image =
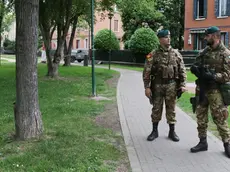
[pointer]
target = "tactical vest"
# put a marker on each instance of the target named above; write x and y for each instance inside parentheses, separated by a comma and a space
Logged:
(165, 64)
(213, 60)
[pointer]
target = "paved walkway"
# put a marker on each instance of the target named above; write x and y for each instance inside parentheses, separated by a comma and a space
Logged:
(162, 155)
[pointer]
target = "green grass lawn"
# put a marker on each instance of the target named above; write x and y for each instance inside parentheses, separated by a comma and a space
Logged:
(190, 76)
(72, 140)
(140, 69)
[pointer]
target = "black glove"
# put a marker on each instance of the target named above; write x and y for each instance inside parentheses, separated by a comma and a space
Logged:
(208, 75)
(195, 70)
(179, 93)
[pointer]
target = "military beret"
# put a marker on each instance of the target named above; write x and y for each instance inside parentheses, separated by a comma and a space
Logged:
(211, 30)
(163, 33)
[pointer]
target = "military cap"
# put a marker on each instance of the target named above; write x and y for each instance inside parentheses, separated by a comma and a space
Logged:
(163, 33)
(211, 30)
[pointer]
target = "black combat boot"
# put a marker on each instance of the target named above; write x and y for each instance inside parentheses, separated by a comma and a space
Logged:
(201, 146)
(154, 133)
(172, 134)
(227, 149)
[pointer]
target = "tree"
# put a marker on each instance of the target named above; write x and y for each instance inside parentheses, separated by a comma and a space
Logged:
(8, 19)
(63, 21)
(103, 41)
(81, 17)
(139, 13)
(81, 10)
(144, 40)
(173, 11)
(47, 27)
(5, 17)
(28, 119)
(59, 15)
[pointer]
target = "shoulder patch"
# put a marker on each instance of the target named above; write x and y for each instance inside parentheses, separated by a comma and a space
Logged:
(149, 56)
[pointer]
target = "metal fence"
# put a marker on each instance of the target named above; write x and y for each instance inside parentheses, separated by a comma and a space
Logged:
(127, 57)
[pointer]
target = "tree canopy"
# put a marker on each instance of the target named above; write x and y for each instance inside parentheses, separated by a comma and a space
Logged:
(138, 14)
(104, 42)
(144, 40)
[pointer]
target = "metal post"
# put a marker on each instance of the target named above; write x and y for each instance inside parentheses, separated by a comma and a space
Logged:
(110, 17)
(92, 49)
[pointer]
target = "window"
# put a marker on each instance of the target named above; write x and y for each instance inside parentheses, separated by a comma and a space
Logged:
(200, 9)
(222, 8)
(224, 38)
(115, 25)
(86, 43)
(78, 44)
(199, 42)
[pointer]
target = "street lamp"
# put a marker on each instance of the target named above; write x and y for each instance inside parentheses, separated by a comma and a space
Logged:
(110, 17)
(92, 49)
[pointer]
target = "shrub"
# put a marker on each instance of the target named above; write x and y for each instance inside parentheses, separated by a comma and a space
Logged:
(102, 40)
(144, 40)
(126, 44)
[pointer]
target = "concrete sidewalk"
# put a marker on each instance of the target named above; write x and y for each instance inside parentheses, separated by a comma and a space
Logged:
(162, 155)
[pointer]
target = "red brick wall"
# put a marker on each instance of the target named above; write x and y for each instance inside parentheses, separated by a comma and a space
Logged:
(211, 20)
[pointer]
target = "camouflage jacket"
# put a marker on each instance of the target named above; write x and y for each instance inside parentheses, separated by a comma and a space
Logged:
(164, 64)
(217, 60)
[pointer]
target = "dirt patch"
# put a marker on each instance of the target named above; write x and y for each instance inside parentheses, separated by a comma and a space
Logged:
(110, 119)
(112, 82)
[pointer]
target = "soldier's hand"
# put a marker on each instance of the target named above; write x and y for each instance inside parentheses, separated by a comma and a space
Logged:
(209, 75)
(183, 89)
(148, 92)
(195, 70)
(180, 91)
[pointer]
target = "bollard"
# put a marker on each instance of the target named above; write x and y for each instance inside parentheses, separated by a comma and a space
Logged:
(85, 60)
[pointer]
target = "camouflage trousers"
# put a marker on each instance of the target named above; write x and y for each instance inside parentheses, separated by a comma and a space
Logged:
(164, 93)
(219, 112)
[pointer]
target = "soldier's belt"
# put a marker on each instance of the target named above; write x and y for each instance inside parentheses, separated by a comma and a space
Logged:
(164, 81)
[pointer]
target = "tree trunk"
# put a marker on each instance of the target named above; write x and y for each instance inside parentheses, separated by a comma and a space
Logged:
(47, 36)
(28, 118)
(62, 30)
(1, 21)
(70, 46)
(66, 55)
(59, 53)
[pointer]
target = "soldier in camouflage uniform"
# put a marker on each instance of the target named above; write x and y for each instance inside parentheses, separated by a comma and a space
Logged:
(164, 77)
(212, 67)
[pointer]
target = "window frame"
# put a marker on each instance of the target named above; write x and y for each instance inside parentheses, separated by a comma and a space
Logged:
(198, 10)
(220, 8)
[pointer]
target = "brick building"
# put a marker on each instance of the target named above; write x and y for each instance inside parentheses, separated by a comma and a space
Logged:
(199, 15)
